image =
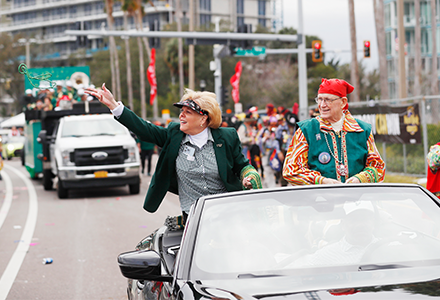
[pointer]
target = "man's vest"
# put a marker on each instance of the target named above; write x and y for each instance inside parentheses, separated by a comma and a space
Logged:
(356, 149)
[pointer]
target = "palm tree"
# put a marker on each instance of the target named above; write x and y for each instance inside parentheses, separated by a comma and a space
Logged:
(354, 63)
(418, 51)
(180, 51)
(434, 77)
(128, 63)
(381, 45)
(139, 25)
(129, 8)
(114, 60)
(434, 68)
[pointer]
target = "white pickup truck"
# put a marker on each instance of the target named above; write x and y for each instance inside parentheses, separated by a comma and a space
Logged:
(92, 150)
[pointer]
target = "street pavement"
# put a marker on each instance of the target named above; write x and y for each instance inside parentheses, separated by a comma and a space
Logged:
(82, 234)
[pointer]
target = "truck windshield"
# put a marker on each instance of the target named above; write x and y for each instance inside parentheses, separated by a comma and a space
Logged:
(79, 128)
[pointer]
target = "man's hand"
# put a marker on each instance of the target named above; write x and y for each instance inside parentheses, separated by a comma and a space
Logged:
(352, 180)
(330, 181)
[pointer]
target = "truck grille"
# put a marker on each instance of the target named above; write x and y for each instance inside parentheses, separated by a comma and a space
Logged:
(83, 157)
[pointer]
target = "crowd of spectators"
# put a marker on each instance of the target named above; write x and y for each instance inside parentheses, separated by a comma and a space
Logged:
(265, 136)
(61, 97)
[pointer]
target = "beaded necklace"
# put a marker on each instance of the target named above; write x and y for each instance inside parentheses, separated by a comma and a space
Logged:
(341, 168)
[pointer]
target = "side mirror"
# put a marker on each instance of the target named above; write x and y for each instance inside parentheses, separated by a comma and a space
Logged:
(142, 265)
(41, 136)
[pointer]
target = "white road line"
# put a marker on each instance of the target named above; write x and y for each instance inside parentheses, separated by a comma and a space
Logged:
(8, 198)
(11, 271)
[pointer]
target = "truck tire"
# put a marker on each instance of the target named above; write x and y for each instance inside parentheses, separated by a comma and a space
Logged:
(22, 157)
(61, 191)
(134, 188)
(47, 180)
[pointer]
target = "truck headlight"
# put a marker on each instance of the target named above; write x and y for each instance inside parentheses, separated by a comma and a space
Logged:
(65, 155)
(131, 154)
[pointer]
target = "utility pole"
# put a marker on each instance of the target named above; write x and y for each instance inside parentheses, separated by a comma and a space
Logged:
(302, 66)
(180, 45)
(401, 36)
(354, 63)
(217, 68)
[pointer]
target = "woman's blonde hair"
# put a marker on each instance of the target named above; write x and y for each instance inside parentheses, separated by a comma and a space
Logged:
(208, 102)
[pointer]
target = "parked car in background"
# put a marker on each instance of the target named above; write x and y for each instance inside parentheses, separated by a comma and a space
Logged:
(355, 241)
(12, 146)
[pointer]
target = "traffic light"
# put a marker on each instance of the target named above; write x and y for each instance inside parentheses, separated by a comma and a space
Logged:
(154, 42)
(366, 49)
(224, 96)
(317, 52)
(245, 28)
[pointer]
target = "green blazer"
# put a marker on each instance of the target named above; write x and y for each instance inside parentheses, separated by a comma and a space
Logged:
(227, 148)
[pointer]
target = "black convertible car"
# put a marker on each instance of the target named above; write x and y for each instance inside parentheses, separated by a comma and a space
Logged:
(315, 242)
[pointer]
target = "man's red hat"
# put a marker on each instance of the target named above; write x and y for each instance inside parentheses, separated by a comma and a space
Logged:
(336, 87)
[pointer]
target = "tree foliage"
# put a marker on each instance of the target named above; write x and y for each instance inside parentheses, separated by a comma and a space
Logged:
(11, 81)
(270, 80)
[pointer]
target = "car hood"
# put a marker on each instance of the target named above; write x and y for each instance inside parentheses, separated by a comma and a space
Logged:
(96, 141)
(397, 283)
(15, 145)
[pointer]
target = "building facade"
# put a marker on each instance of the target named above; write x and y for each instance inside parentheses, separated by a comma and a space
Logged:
(409, 20)
(44, 21)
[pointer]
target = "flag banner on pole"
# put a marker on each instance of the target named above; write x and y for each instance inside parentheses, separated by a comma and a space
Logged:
(151, 75)
(235, 82)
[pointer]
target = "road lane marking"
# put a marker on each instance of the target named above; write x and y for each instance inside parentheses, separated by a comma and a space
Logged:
(8, 198)
(14, 265)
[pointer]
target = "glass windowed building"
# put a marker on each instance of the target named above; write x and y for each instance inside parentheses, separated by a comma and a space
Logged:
(409, 20)
(46, 20)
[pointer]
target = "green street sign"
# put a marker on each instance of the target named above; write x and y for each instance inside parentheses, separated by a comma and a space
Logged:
(255, 51)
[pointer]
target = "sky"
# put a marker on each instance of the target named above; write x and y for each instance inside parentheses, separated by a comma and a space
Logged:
(329, 20)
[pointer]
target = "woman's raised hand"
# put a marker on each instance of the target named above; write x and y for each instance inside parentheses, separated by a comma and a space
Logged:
(104, 96)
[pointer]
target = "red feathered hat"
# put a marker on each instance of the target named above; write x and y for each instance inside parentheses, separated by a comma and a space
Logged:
(337, 87)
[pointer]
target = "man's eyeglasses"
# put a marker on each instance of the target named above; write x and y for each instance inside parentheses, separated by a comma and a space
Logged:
(326, 100)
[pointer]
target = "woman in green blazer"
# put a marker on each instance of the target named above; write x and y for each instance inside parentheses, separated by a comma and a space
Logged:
(198, 157)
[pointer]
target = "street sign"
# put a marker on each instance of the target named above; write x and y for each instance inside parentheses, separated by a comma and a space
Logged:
(255, 51)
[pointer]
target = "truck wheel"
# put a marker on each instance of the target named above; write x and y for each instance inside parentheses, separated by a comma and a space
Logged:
(22, 157)
(47, 180)
(134, 188)
(61, 191)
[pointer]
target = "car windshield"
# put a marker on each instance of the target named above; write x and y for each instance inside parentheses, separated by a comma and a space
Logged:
(311, 230)
(14, 139)
(81, 127)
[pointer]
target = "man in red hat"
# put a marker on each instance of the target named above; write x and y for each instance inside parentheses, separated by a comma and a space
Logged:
(333, 147)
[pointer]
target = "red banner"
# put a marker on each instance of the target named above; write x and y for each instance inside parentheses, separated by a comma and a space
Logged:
(235, 82)
(151, 75)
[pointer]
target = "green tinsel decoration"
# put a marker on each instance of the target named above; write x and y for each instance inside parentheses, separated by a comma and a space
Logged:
(23, 69)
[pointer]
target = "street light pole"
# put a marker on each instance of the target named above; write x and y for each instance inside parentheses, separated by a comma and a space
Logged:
(28, 54)
(302, 66)
(27, 43)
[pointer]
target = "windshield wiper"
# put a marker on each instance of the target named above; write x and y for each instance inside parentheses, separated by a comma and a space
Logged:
(104, 133)
(373, 267)
(249, 275)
